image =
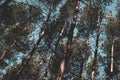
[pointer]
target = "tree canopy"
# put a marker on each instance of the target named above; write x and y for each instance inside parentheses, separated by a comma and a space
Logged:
(59, 40)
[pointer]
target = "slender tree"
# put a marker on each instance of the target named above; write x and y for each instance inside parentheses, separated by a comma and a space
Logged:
(95, 57)
(22, 66)
(87, 25)
(69, 42)
(7, 50)
(57, 53)
(112, 51)
(96, 46)
(9, 47)
(15, 29)
(54, 50)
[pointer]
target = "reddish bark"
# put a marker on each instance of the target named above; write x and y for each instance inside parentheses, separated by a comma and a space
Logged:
(42, 33)
(7, 50)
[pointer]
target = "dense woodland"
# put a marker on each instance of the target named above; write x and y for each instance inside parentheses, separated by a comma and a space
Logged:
(59, 39)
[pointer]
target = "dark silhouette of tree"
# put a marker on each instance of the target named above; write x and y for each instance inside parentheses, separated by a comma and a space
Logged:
(69, 42)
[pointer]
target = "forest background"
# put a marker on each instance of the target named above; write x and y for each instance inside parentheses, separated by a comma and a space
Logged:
(59, 39)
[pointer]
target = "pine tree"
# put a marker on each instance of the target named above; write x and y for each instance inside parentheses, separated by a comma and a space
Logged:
(69, 42)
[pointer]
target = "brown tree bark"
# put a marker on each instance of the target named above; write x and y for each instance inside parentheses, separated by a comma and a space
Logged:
(30, 54)
(7, 50)
(69, 42)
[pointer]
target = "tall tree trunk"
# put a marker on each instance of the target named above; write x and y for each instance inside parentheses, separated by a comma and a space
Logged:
(56, 45)
(42, 33)
(69, 43)
(112, 59)
(112, 54)
(95, 58)
(96, 47)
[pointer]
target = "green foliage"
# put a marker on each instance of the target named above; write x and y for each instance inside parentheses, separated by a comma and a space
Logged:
(19, 20)
(15, 25)
(89, 19)
(67, 9)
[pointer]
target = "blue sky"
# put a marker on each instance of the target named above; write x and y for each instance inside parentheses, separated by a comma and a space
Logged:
(112, 7)
(34, 34)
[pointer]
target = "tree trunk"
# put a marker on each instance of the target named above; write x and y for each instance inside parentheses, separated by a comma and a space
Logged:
(7, 50)
(56, 45)
(112, 59)
(42, 33)
(112, 54)
(95, 58)
(69, 43)
(96, 47)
